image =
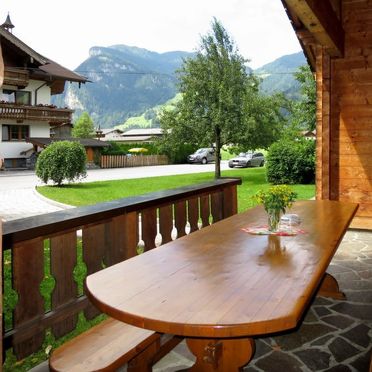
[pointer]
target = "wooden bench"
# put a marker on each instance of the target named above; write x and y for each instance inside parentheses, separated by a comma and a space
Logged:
(109, 345)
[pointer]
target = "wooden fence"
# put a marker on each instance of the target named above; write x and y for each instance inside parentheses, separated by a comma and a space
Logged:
(38, 248)
(123, 161)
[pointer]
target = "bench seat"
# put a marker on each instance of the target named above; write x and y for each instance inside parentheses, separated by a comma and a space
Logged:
(106, 347)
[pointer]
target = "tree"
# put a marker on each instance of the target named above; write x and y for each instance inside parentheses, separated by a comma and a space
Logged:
(213, 86)
(263, 121)
(83, 127)
(304, 111)
(62, 160)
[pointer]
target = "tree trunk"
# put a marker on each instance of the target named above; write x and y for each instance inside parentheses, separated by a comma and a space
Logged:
(217, 169)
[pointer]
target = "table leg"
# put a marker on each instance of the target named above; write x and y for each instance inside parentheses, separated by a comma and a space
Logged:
(224, 355)
(329, 288)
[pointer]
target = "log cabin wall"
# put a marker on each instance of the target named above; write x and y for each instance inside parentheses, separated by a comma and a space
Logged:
(350, 114)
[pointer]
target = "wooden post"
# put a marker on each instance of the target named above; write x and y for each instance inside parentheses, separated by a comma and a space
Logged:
(323, 116)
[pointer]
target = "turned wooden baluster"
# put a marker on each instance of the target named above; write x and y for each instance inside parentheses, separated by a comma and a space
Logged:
(180, 218)
(166, 223)
(149, 227)
(217, 206)
(204, 210)
(193, 213)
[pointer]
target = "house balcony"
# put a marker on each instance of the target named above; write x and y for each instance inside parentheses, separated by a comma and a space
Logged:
(16, 77)
(49, 113)
(332, 333)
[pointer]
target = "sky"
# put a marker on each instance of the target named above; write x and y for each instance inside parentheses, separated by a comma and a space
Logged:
(64, 31)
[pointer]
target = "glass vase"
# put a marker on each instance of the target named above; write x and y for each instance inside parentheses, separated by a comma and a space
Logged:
(273, 219)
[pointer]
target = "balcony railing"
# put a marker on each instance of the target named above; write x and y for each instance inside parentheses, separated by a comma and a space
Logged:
(39, 248)
(15, 77)
(52, 115)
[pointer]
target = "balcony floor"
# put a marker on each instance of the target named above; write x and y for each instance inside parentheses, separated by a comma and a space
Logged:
(334, 336)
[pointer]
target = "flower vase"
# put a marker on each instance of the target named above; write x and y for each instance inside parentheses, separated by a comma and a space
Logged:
(273, 219)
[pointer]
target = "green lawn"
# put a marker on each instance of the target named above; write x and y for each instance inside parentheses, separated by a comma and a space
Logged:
(253, 179)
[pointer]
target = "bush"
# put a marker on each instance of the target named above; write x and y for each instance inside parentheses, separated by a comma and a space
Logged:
(177, 154)
(291, 162)
(117, 148)
(63, 160)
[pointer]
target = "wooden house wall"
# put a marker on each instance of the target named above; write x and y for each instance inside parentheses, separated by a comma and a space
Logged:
(347, 90)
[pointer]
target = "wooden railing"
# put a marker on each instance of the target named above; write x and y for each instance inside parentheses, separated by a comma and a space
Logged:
(44, 113)
(49, 245)
(16, 77)
(123, 161)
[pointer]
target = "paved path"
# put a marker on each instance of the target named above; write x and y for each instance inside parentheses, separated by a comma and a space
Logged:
(19, 199)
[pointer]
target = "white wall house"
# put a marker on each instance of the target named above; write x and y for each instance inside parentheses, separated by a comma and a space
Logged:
(30, 80)
(13, 133)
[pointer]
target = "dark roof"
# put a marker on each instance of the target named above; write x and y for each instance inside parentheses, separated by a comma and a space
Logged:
(86, 142)
(45, 65)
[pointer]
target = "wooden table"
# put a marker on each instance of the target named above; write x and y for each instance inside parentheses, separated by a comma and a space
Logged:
(220, 286)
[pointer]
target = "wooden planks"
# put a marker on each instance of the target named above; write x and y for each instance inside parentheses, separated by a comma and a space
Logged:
(63, 259)
(110, 234)
(321, 20)
(28, 272)
(233, 284)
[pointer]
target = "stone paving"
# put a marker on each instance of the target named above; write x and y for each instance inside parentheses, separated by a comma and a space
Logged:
(334, 335)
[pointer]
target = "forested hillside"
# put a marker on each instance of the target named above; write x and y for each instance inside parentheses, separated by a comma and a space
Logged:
(129, 85)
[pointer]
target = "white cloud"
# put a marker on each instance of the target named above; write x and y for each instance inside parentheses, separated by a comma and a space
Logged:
(64, 31)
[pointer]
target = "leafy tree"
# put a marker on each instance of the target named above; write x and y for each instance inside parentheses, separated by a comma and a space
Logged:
(304, 111)
(213, 86)
(83, 127)
(62, 160)
(263, 121)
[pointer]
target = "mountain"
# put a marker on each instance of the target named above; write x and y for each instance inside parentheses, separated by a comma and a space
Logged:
(130, 83)
(277, 76)
(125, 82)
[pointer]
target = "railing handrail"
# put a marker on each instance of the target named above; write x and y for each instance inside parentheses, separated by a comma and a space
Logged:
(33, 107)
(51, 223)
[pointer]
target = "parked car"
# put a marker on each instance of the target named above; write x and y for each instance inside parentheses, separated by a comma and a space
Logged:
(204, 156)
(248, 159)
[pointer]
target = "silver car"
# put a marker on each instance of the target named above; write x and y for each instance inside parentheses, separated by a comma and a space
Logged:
(204, 156)
(248, 159)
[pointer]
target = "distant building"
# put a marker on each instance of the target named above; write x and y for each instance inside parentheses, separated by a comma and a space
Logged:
(30, 80)
(111, 134)
(141, 135)
(309, 134)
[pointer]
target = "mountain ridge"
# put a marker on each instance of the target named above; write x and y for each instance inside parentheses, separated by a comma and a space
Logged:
(128, 81)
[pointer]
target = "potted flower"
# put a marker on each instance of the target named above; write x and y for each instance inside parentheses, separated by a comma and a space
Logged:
(275, 201)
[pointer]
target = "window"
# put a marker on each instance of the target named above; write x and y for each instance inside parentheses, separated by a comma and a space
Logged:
(21, 97)
(15, 132)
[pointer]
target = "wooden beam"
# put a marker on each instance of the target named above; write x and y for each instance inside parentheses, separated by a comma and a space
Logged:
(323, 112)
(321, 20)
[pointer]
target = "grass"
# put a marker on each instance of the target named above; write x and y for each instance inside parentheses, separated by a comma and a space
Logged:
(253, 179)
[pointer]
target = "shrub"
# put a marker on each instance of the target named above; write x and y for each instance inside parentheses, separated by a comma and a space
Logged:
(291, 162)
(117, 148)
(177, 153)
(63, 160)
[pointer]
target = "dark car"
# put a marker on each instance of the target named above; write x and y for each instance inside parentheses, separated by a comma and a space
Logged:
(248, 159)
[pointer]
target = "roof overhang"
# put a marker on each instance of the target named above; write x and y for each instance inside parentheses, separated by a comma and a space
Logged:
(316, 23)
(46, 141)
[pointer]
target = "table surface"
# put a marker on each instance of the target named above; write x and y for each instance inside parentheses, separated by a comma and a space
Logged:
(222, 282)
